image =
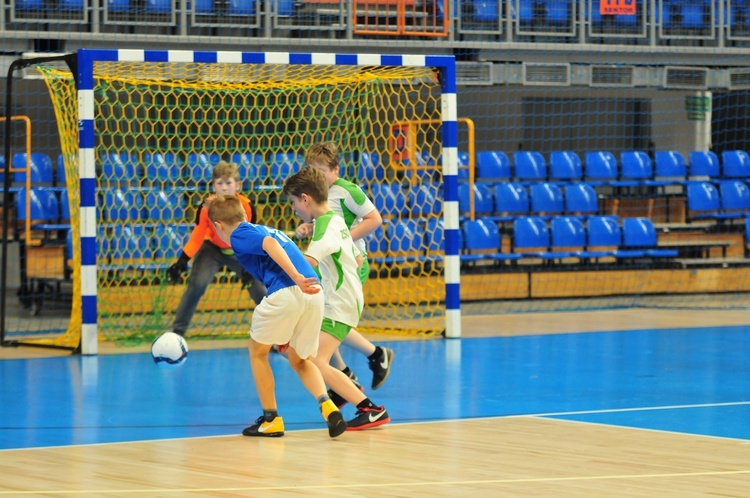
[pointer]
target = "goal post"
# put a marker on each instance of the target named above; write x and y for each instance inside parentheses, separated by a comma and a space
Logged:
(203, 69)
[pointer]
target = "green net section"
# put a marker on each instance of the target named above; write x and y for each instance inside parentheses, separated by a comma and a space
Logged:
(161, 127)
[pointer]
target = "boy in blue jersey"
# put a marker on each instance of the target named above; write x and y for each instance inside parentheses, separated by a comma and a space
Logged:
(290, 315)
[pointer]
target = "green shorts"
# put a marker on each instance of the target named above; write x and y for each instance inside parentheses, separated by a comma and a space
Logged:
(338, 330)
(364, 272)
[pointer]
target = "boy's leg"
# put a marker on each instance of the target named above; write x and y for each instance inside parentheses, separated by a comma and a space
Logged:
(205, 265)
(379, 358)
(337, 380)
(269, 424)
(312, 379)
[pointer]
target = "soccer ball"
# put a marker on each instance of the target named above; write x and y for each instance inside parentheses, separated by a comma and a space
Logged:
(169, 350)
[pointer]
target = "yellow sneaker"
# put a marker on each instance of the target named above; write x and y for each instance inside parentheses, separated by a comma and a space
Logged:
(274, 428)
(334, 418)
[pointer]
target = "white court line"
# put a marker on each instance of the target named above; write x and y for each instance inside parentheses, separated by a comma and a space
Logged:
(492, 417)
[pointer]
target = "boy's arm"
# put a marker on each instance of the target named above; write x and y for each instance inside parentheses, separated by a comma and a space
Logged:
(370, 222)
(195, 241)
(277, 253)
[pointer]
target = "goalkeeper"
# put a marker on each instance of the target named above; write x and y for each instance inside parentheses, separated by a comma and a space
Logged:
(209, 253)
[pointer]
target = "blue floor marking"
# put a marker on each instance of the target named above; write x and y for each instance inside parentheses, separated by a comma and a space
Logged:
(113, 398)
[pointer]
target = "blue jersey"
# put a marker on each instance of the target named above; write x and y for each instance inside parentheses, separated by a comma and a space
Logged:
(247, 243)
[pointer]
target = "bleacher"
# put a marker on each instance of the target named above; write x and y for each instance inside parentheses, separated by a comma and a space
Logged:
(674, 22)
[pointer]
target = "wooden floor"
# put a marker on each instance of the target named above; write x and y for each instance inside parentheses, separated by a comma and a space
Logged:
(528, 455)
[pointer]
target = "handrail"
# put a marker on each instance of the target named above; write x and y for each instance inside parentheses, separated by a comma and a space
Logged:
(27, 169)
(412, 151)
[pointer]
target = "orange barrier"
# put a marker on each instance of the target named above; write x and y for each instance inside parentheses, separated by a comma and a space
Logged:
(376, 17)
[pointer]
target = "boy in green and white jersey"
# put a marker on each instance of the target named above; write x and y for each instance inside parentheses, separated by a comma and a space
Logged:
(349, 201)
(333, 253)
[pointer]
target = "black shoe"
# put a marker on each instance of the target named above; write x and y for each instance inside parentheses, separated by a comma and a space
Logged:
(381, 366)
(367, 418)
(274, 428)
(340, 401)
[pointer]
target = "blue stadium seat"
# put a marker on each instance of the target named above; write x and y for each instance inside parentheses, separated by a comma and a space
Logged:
(60, 171)
(735, 196)
(284, 164)
(71, 5)
(43, 205)
(405, 239)
(530, 166)
(390, 200)
(158, 6)
(601, 168)
(603, 232)
(581, 198)
(118, 6)
(511, 199)
(569, 233)
(203, 6)
(64, 206)
(117, 166)
(162, 167)
(704, 200)
(284, 7)
(736, 164)
(704, 163)
(128, 243)
(251, 167)
(526, 14)
(200, 166)
(30, 5)
(487, 11)
(40, 167)
(565, 165)
(636, 165)
(532, 236)
(695, 14)
(241, 7)
(483, 202)
(370, 169)
(492, 164)
(547, 199)
(482, 241)
(161, 205)
(640, 233)
(423, 201)
(376, 243)
(122, 205)
(670, 164)
(559, 12)
(169, 240)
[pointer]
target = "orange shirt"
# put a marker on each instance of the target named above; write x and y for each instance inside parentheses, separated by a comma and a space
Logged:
(205, 230)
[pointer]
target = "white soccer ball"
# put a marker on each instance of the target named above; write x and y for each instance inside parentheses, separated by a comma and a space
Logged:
(169, 350)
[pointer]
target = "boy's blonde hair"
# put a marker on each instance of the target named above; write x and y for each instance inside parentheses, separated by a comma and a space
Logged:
(226, 209)
(224, 169)
(326, 153)
(308, 181)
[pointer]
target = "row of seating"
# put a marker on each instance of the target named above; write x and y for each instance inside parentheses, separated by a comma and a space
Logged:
(40, 168)
(603, 166)
(564, 237)
(532, 237)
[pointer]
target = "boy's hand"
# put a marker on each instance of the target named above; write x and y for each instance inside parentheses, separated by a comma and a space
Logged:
(304, 230)
(174, 272)
(308, 285)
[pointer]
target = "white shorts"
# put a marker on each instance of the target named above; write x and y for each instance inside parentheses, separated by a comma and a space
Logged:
(289, 315)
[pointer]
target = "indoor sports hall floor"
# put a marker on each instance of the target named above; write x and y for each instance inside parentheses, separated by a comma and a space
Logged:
(559, 404)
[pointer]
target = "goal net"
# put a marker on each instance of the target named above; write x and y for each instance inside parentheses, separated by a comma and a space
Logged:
(152, 126)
